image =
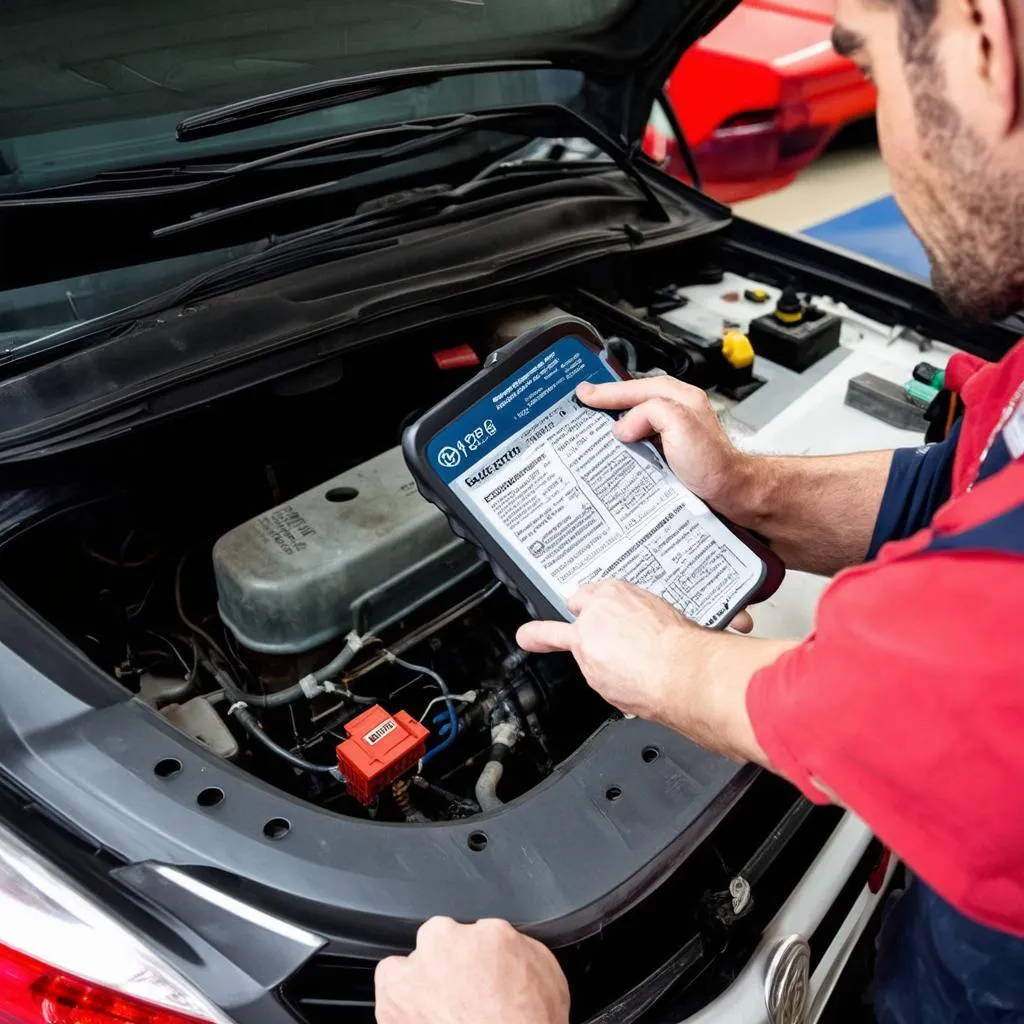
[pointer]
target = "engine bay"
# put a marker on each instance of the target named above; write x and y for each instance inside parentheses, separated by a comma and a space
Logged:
(265, 576)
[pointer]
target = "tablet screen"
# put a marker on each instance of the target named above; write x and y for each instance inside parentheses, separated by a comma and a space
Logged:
(546, 479)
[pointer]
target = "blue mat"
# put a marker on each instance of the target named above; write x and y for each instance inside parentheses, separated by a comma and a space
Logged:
(877, 230)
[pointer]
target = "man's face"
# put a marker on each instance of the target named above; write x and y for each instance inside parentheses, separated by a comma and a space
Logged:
(948, 107)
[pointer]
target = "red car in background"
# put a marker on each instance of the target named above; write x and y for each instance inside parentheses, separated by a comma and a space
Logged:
(760, 97)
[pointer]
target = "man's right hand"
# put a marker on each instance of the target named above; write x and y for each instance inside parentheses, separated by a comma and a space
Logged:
(817, 513)
(482, 973)
(693, 441)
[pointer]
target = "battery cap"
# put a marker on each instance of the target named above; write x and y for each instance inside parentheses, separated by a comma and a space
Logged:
(737, 350)
(789, 309)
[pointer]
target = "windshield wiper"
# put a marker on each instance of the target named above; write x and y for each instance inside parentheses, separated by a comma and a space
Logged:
(420, 136)
(125, 183)
(277, 106)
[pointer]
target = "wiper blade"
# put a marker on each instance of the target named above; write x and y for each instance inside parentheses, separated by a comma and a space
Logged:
(417, 136)
(171, 178)
(420, 136)
(127, 183)
(277, 106)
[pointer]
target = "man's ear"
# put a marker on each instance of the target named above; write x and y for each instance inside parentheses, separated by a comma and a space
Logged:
(994, 34)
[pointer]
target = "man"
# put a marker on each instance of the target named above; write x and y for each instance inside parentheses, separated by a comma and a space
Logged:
(906, 704)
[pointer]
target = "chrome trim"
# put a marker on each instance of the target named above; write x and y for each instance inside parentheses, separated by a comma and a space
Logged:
(743, 1002)
(787, 981)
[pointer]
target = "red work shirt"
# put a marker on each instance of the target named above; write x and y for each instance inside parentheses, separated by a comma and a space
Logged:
(907, 700)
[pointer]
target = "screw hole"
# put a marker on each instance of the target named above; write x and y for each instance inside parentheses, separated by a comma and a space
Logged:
(210, 797)
(341, 494)
(477, 841)
(650, 754)
(167, 768)
(613, 793)
(277, 828)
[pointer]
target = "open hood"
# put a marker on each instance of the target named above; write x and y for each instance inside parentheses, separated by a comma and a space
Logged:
(68, 65)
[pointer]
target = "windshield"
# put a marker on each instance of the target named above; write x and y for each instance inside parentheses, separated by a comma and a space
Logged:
(37, 159)
(86, 90)
(87, 86)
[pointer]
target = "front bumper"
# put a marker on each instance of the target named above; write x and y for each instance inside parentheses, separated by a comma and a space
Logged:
(744, 1002)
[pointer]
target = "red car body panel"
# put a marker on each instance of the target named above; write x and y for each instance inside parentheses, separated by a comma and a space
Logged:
(761, 96)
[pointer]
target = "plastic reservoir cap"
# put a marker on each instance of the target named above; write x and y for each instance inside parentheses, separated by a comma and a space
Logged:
(737, 350)
(789, 309)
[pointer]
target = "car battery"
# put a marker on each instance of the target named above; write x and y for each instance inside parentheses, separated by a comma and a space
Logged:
(380, 748)
(794, 335)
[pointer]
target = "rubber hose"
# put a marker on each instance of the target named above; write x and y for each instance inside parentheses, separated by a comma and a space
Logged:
(337, 664)
(291, 693)
(486, 790)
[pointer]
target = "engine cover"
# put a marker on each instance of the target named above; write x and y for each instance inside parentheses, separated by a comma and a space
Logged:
(357, 552)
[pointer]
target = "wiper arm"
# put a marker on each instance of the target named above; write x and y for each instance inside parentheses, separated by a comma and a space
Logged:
(423, 135)
(108, 186)
(175, 178)
(277, 106)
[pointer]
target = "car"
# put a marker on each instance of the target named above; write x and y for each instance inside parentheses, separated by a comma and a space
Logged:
(261, 712)
(760, 97)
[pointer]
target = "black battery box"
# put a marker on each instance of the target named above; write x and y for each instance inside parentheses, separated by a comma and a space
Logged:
(795, 335)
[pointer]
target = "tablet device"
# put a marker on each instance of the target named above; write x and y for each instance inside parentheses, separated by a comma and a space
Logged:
(536, 480)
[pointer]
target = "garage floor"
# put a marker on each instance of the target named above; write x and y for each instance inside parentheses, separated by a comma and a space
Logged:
(844, 199)
(843, 179)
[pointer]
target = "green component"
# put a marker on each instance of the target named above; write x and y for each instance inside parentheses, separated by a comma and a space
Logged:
(920, 394)
(930, 375)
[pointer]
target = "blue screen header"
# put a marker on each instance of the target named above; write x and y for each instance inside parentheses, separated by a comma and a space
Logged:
(524, 395)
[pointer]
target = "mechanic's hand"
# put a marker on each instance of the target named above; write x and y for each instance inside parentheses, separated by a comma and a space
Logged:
(483, 973)
(628, 644)
(692, 439)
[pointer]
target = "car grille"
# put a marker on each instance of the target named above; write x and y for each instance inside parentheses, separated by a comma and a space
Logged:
(674, 950)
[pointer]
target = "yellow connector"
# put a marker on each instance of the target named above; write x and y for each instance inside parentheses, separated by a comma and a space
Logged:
(736, 348)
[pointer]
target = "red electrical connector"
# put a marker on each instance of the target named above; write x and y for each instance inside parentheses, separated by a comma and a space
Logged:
(461, 357)
(380, 748)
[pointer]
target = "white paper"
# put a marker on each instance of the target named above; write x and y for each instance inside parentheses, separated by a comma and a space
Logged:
(576, 505)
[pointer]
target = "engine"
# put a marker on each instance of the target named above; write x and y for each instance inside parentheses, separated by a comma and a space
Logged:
(359, 552)
(328, 596)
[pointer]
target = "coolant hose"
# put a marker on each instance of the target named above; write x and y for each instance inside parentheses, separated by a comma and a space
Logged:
(486, 790)
(503, 738)
(340, 661)
(311, 686)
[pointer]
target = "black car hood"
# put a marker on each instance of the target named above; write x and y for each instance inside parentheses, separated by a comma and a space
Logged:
(155, 58)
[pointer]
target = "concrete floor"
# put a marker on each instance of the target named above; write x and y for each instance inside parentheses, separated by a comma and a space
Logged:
(845, 177)
(843, 200)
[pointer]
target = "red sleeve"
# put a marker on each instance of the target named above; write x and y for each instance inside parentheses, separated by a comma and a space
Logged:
(907, 703)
